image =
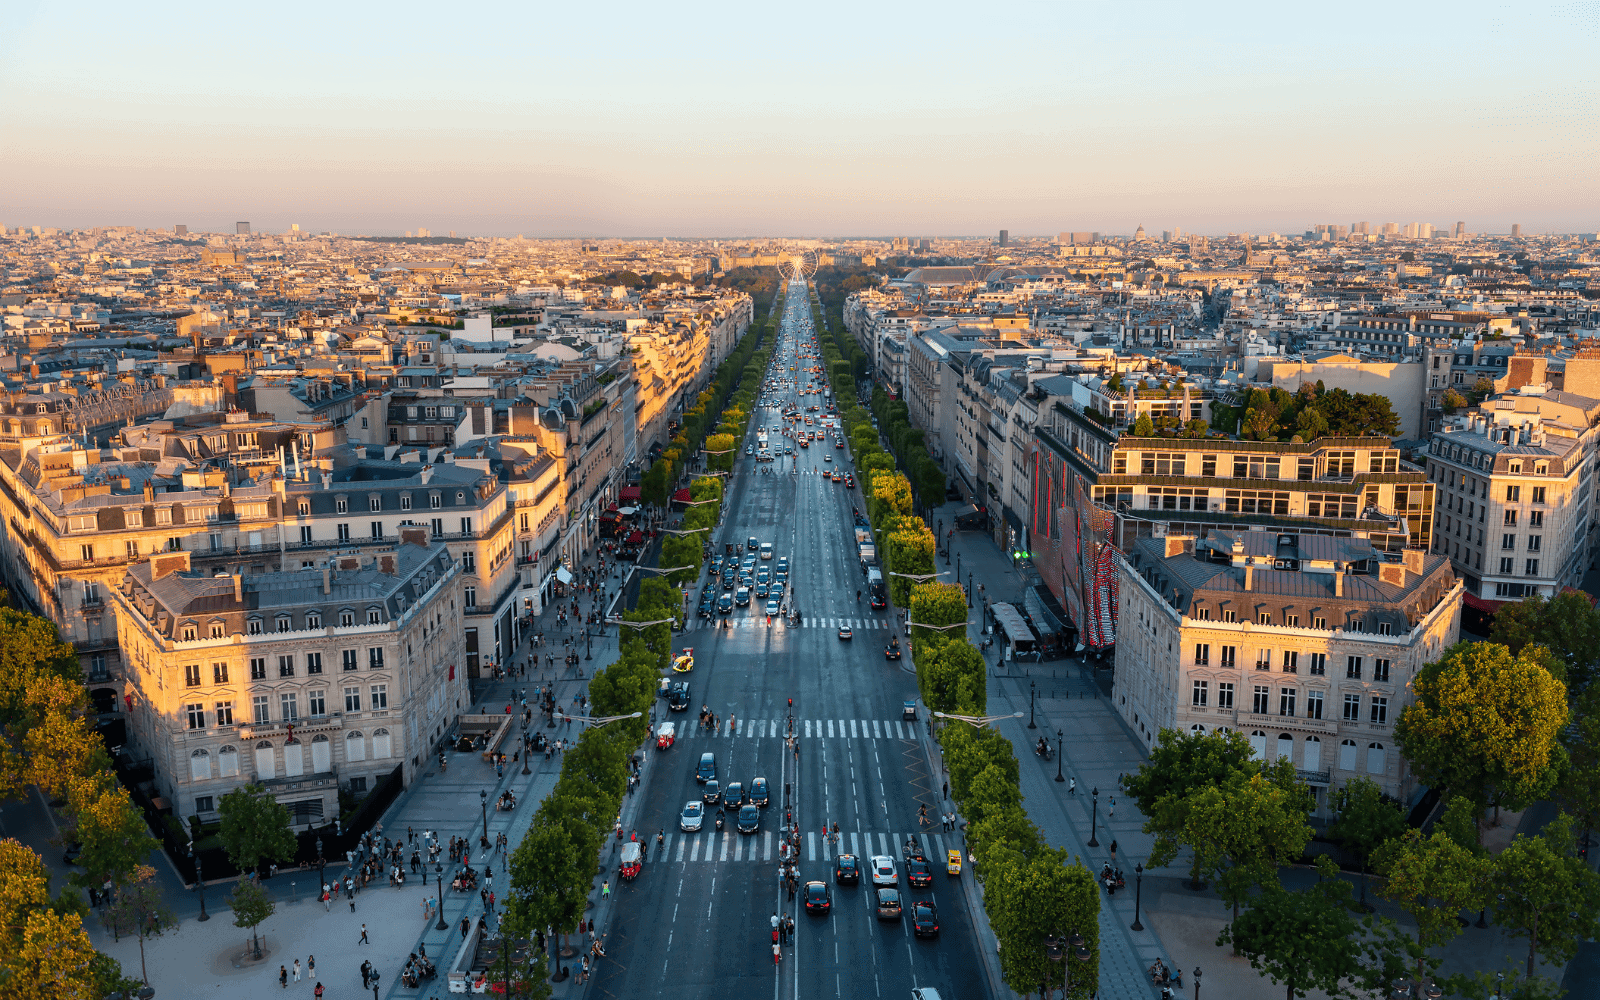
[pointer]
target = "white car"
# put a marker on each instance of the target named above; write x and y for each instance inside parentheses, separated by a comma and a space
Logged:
(883, 872)
(693, 813)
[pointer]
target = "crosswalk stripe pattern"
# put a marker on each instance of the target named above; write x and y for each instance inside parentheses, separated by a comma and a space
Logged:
(760, 620)
(878, 729)
(710, 846)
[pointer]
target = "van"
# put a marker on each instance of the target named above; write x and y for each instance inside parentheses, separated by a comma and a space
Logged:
(972, 518)
(766, 550)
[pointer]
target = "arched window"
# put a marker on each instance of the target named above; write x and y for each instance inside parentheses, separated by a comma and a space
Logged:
(321, 754)
(253, 626)
(380, 744)
(1198, 729)
(1347, 755)
(1258, 745)
(347, 617)
(200, 765)
(1312, 758)
(1377, 760)
(266, 761)
(1285, 746)
(354, 747)
(294, 758)
(228, 761)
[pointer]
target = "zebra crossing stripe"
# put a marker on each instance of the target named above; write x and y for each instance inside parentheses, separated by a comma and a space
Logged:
(766, 845)
(694, 851)
(852, 729)
(830, 729)
(876, 734)
(811, 846)
(854, 847)
(808, 729)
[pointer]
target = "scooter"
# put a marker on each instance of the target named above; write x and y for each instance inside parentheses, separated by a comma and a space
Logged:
(719, 821)
(443, 765)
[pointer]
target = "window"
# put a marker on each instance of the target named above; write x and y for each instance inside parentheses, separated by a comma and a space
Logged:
(1506, 564)
(258, 705)
(1306, 470)
(1513, 494)
(380, 697)
(348, 656)
(1264, 618)
(1202, 654)
(197, 715)
(1199, 695)
(375, 658)
(191, 675)
(1535, 518)
(461, 497)
(1352, 667)
(219, 673)
(341, 505)
(313, 619)
(1258, 703)
(1286, 702)
(1225, 695)
(1291, 621)
(1508, 541)
(1229, 616)
(435, 501)
(352, 699)
(375, 503)
(286, 666)
(1511, 519)
(1228, 655)
(1203, 614)
(285, 623)
(132, 549)
(438, 526)
(224, 713)
(1313, 704)
(1538, 494)
(188, 633)
(1263, 659)
(1319, 622)
(1291, 662)
(377, 530)
(1385, 628)
(305, 534)
(469, 562)
(313, 663)
(258, 668)
(1531, 568)
(431, 412)
(405, 501)
(470, 595)
(347, 618)
(1380, 669)
(289, 703)
(174, 545)
(1376, 762)
(1208, 465)
(466, 525)
(1347, 755)
(374, 616)
(1352, 708)
(1380, 711)
(1535, 542)
(343, 532)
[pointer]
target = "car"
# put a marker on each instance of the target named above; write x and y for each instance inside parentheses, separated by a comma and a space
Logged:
(761, 591)
(845, 633)
(711, 793)
(678, 696)
(752, 543)
(758, 792)
(776, 590)
(748, 450)
(836, 477)
(707, 769)
(817, 897)
(850, 482)
(918, 872)
(892, 651)
(741, 597)
(683, 662)
(733, 795)
(774, 608)
(847, 869)
(725, 604)
(694, 813)
(838, 442)
(827, 458)
(883, 872)
(783, 566)
(908, 711)
(925, 918)
(749, 819)
(888, 904)
(746, 580)
(764, 574)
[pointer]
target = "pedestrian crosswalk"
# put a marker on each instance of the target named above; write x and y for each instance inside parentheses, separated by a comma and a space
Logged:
(711, 846)
(742, 729)
(760, 621)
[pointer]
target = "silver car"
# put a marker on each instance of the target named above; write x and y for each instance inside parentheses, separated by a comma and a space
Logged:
(694, 812)
(883, 872)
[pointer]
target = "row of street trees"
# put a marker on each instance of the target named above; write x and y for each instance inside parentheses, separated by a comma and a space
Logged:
(51, 744)
(1486, 730)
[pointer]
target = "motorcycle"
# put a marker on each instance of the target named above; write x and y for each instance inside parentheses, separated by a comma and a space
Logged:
(719, 821)
(443, 765)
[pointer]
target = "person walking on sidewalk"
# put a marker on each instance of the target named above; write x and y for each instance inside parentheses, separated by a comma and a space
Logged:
(283, 977)
(295, 972)
(311, 966)
(363, 936)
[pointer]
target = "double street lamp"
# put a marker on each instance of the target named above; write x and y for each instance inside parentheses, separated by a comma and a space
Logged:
(1057, 949)
(200, 880)
(438, 880)
(1094, 821)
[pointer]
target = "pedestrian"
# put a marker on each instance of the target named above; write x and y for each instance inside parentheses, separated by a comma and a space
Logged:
(1072, 786)
(605, 889)
(325, 897)
(363, 935)
(466, 925)
(1111, 810)
(283, 977)
(775, 923)
(352, 901)
(311, 967)
(317, 992)
(946, 790)
(1113, 851)
(777, 953)
(296, 970)
(491, 902)
(366, 974)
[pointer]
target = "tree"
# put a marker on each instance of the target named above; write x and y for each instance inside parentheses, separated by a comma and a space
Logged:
(111, 829)
(1142, 427)
(1567, 624)
(969, 751)
(255, 828)
(1365, 819)
(1484, 725)
(31, 647)
(951, 676)
(991, 791)
(1259, 423)
(549, 879)
(139, 907)
(1243, 832)
(1003, 836)
(1432, 879)
(1043, 896)
(1304, 940)
(1541, 891)
(1579, 790)
(1452, 401)
(908, 549)
(1181, 763)
(251, 905)
(937, 604)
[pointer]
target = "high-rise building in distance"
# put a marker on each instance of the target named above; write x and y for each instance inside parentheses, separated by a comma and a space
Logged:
(1516, 230)
(1005, 237)
(241, 228)
(1461, 229)
(180, 230)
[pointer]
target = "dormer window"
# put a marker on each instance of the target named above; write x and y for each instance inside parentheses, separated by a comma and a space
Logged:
(375, 502)
(285, 623)
(304, 507)
(313, 619)
(341, 505)
(189, 630)
(405, 501)
(374, 616)
(216, 630)
(435, 501)
(347, 617)
(253, 626)
(461, 498)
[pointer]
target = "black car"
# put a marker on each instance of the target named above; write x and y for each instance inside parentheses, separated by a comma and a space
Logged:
(924, 919)
(707, 769)
(749, 819)
(919, 872)
(725, 604)
(817, 897)
(678, 696)
(847, 870)
(734, 795)
(758, 792)
(752, 543)
(711, 792)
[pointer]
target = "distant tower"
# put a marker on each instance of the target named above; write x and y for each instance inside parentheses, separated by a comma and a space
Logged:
(180, 230)
(241, 228)
(1516, 231)
(1138, 234)
(1005, 237)
(1461, 229)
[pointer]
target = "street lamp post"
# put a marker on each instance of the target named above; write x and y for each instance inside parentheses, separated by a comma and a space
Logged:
(483, 800)
(1033, 693)
(322, 867)
(588, 643)
(1060, 734)
(1094, 821)
(200, 880)
(526, 747)
(438, 880)
(1138, 896)
(1197, 982)
(969, 588)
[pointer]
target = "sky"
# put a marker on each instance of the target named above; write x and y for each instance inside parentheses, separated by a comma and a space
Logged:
(808, 120)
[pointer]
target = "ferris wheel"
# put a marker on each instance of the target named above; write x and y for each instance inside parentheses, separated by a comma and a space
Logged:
(798, 266)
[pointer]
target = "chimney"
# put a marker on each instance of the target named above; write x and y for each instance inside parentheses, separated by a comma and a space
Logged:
(1338, 580)
(327, 481)
(327, 578)
(1412, 558)
(1238, 552)
(1249, 576)
(238, 588)
(427, 473)
(149, 491)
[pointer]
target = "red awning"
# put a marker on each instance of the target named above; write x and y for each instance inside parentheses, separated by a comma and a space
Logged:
(1478, 603)
(611, 507)
(635, 538)
(682, 496)
(629, 493)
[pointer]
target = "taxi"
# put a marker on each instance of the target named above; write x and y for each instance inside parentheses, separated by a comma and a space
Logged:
(683, 662)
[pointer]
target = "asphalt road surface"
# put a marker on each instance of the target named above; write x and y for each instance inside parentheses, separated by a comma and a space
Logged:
(697, 921)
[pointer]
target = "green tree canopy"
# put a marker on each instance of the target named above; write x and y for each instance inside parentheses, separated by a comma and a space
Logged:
(255, 828)
(1042, 896)
(251, 906)
(1432, 879)
(1542, 891)
(1364, 819)
(1567, 624)
(1244, 831)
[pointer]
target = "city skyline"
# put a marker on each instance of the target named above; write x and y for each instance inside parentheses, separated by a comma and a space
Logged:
(744, 124)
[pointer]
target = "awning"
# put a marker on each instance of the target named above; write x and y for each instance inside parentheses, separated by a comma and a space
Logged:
(628, 511)
(629, 493)
(1480, 604)
(635, 538)
(611, 507)
(563, 575)
(683, 496)
(1011, 623)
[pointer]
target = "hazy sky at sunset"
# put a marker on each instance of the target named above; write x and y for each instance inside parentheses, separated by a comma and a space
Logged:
(798, 119)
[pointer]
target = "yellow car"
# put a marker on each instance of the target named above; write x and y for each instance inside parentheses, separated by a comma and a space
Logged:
(953, 862)
(684, 662)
